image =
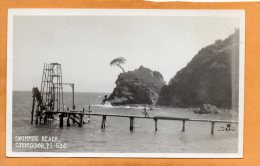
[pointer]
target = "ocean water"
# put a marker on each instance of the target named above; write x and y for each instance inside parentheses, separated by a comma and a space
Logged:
(117, 138)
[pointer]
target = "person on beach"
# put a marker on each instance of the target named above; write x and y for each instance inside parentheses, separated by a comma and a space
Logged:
(104, 100)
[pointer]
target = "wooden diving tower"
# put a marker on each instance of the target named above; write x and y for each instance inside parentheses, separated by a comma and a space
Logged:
(49, 100)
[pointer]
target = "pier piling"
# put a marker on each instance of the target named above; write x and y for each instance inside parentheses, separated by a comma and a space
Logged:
(80, 120)
(73, 103)
(68, 120)
(37, 117)
(32, 113)
(88, 119)
(155, 123)
(61, 120)
(81, 116)
(45, 119)
(103, 124)
(131, 123)
(212, 127)
(40, 119)
(183, 125)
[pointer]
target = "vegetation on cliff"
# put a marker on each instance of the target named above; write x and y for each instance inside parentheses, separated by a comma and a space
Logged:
(211, 77)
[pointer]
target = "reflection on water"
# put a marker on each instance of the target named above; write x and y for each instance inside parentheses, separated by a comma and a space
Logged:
(118, 138)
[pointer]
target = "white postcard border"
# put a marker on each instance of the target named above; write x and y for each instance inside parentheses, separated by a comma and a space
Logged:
(122, 12)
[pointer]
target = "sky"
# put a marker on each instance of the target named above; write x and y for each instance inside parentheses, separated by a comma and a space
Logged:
(85, 45)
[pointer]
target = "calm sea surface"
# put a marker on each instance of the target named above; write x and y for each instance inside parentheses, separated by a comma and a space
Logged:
(118, 138)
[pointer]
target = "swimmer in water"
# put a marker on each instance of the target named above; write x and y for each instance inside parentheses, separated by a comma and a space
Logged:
(228, 127)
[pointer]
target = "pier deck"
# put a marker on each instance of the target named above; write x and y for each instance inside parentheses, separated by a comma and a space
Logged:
(78, 117)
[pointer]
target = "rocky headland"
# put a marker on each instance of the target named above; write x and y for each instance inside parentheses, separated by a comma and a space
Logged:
(211, 77)
(141, 86)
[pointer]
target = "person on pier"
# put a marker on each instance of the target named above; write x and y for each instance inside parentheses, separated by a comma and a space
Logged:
(104, 100)
(145, 112)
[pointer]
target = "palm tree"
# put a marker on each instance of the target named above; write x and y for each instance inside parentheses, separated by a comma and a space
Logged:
(118, 62)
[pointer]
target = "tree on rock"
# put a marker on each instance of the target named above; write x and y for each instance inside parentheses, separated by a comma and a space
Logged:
(118, 62)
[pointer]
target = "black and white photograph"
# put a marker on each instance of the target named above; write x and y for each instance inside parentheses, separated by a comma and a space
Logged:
(125, 83)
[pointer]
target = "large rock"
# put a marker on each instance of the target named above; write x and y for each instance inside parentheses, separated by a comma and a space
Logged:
(207, 109)
(140, 86)
(210, 77)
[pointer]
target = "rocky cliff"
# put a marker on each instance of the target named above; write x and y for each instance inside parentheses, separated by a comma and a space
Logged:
(211, 77)
(140, 86)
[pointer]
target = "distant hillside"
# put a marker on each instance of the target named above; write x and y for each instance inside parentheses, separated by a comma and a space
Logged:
(211, 77)
(140, 86)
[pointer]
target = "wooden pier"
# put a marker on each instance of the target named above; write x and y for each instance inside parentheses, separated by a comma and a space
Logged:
(78, 118)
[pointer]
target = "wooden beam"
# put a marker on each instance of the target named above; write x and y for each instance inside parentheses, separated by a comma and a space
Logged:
(74, 120)
(158, 117)
(170, 118)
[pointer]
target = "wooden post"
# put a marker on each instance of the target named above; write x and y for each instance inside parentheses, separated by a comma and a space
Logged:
(88, 119)
(212, 127)
(155, 123)
(45, 119)
(80, 120)
(32, 113)
(73, 104)
(68, 120)
(183, 125)
(48, 119)
(37, 116)
(131, 123)
(89, 111)
(103, 124)
(73, 119)
(81, 116)
(40, 119)
(61, 120)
